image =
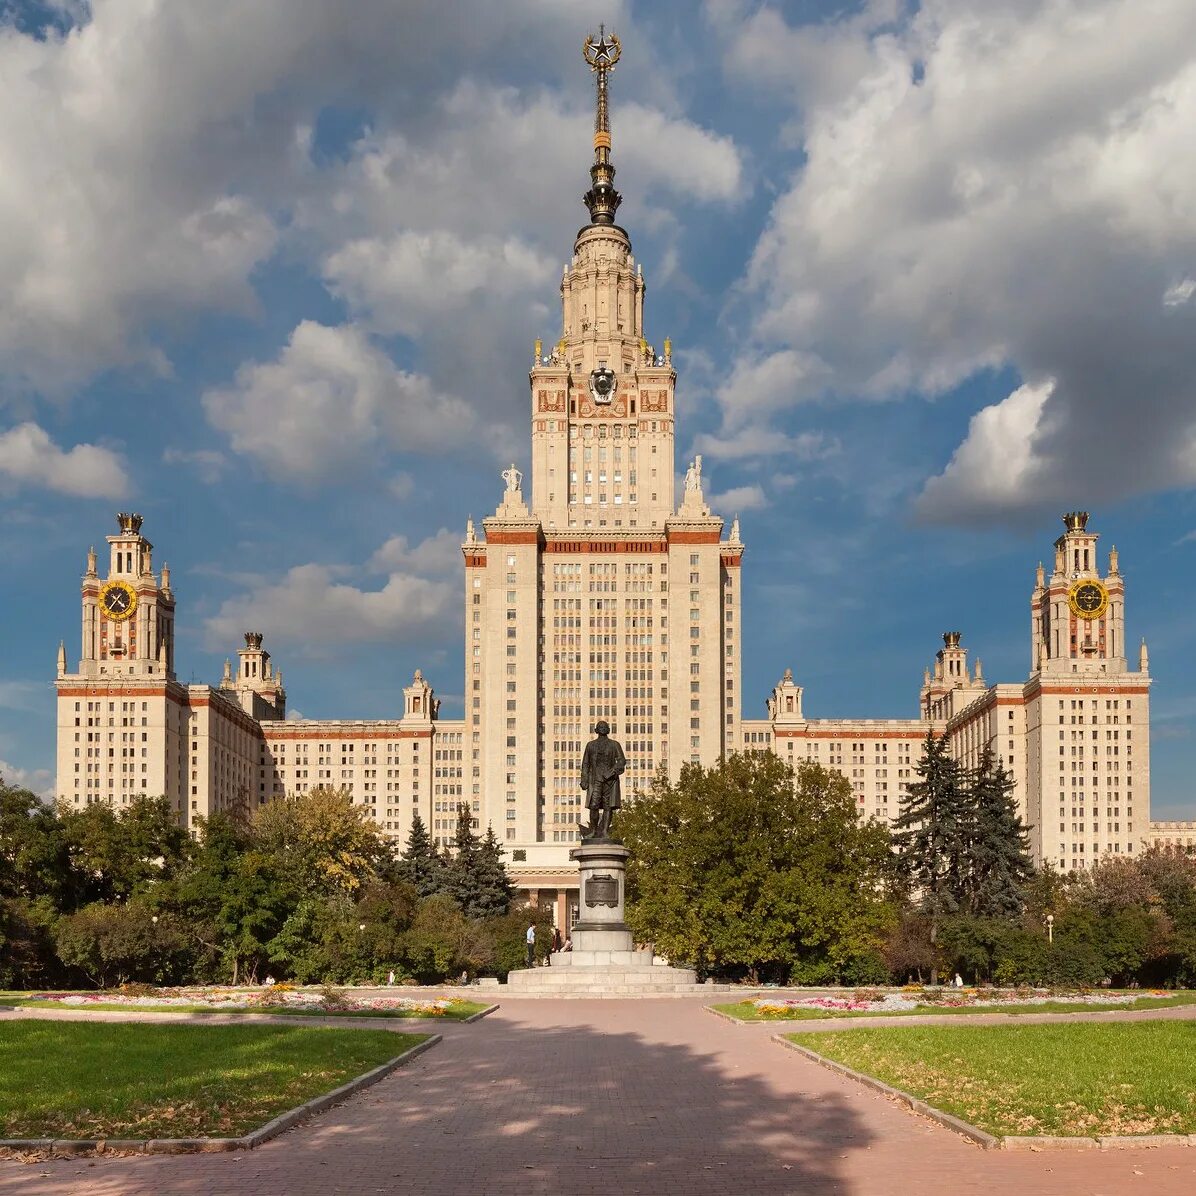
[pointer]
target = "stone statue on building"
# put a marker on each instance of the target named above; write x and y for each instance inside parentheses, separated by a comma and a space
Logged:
(602, 764)
(693, 476)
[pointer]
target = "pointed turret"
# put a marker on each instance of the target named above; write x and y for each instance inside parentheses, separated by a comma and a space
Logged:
(1143, 659)
(62, 658)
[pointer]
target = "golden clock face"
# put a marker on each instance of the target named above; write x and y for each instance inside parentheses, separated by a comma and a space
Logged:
(118, 600)
(1088, 598)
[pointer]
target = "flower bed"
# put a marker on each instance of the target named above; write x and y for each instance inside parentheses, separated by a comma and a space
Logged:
(932, 1000)
(274, 999)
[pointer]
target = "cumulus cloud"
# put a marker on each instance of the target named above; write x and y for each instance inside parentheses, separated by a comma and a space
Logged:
(411, 281)
(995, 187)
(739, 499)
(997, 464)
(331, 401)
(29, 457)
(153, 152)
(419, 600)
(407, 609)
(437, 556)
(36, 780)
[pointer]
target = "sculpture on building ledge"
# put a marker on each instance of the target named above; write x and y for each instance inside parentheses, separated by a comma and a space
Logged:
(602, 763)
(693, 476)
(513, 478)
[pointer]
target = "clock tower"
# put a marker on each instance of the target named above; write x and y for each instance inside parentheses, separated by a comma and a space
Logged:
(128, 616)
(1078, 616)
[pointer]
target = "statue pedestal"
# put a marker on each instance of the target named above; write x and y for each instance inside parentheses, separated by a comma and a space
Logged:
(603, 893)
(603, 961)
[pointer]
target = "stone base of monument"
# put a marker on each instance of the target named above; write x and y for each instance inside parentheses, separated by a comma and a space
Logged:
(604, 961)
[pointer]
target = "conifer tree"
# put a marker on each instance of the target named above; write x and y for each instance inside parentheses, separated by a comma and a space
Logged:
(460, 880)
(999, 851)
(932, 832)
(420, 865)
(495, 890)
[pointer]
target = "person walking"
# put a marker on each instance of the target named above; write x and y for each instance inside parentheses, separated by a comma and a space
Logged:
(556, 939)
(531, 945)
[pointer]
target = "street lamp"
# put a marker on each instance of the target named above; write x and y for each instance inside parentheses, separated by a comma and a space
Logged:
(1050, 921)
(154, 919)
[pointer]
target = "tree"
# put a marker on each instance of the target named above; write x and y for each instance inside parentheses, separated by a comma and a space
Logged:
(443, 942)
(474, 876)
(321, 840)
(115, 943)
(932, 830)
(34, 862)
(420, 865)
(747, 868)
(1000, 866)
(495, 890)
(116, 854)
(234, 897)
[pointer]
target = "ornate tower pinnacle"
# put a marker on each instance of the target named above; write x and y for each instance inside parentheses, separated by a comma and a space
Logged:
(602, 199)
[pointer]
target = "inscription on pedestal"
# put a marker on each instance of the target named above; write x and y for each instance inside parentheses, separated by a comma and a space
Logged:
(602, 890)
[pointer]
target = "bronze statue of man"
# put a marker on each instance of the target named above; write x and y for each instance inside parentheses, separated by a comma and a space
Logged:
(602, 764)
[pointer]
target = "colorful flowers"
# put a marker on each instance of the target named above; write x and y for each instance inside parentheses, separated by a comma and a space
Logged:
(312, 1000)
(928, 1000)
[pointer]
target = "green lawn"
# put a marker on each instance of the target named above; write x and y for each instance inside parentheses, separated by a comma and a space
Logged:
(1077, 1079)
(746, 1011)
(458, 1012)
(110, 1080)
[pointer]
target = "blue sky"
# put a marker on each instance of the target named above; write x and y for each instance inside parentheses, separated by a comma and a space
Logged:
(273, 276)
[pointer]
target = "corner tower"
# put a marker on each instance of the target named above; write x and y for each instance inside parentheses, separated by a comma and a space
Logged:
(1087, 710)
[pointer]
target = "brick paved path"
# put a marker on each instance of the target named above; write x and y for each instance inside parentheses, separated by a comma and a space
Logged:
(579, 1098)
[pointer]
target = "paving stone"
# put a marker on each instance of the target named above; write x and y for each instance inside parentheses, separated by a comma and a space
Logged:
(583, 1097)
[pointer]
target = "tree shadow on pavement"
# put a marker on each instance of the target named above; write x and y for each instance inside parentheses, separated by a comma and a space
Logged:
(511, 1107)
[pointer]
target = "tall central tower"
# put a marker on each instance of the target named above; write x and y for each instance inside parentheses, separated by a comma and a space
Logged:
(599, 596)
(602, 398)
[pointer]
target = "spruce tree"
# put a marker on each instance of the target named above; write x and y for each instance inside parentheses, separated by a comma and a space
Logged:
(420, 864)
(461, 871)
(932, 832)
(999, 850)
(495, 890)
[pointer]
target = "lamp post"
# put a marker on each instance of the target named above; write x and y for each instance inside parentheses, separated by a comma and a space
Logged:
(1050, 921)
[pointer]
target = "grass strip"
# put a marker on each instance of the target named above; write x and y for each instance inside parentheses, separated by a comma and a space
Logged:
(112, 1080)
(746, 1011)
(457, 1013)
(1072, 1080)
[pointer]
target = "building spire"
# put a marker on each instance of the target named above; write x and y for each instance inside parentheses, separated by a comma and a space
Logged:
(602, 199)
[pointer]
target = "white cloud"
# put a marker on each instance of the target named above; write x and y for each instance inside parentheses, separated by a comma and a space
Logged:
(1179, 293)
(148, 152)
(758, 440)
(990, 186)
(36, 780)
(739, 499)
(997, 466)
(407, 609)
(29, 457)
(413, 280)
(437, 556)
(329, 403)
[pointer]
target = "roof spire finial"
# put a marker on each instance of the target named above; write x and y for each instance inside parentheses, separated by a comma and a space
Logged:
(602, 199)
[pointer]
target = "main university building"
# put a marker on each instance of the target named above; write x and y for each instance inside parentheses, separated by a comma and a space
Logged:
(599, 593)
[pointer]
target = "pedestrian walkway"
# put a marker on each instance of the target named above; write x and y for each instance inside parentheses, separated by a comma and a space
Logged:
(578, 1098)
